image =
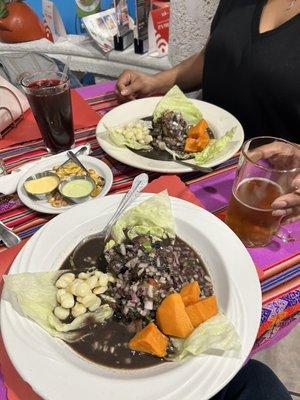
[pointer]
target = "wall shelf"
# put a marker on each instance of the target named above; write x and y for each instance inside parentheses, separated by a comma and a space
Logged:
(86, 56)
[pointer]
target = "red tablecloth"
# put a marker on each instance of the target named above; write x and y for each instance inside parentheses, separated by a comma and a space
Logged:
(278, 265)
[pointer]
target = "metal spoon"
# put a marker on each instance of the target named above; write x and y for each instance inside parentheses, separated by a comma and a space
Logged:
(76, 160)
(138, 184)
(9, 238)
(194, 167)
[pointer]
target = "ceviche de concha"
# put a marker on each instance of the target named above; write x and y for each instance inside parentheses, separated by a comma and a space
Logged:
(142, 298)
(176, 127)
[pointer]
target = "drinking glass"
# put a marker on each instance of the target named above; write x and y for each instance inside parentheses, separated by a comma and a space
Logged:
(266, 170)
(49, 96)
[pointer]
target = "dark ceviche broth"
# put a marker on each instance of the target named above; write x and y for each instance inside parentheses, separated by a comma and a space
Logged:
(146, 271)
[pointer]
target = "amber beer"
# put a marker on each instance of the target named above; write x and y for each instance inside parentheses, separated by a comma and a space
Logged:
(250, 213)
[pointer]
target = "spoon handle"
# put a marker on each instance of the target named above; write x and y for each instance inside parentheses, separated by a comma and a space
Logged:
(9, 238)
(76, 161)
(138, 184)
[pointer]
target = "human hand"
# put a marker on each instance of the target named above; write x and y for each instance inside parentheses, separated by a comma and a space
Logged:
(284, 157)
(132, 85)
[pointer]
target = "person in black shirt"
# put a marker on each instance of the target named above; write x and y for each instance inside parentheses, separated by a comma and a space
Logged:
(249, 66)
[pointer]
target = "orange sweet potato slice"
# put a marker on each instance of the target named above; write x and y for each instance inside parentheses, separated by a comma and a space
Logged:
(190, 293)
(172, 318)
(150, 340)
(190, 145)
(202, 141)
(197, 130)
(202, 310)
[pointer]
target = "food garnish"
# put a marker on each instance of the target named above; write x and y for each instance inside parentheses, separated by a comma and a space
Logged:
(202, 310)
(172, 317)
(176, 101)
(150, 340)
(135, 134)
(190, 293)
(61, 303)
(214, 147)
(197, 137)
(217, 333)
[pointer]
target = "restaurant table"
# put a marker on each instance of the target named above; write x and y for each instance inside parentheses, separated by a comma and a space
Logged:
(278, 265)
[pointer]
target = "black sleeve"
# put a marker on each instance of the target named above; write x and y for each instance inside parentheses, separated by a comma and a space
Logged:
(223, 7)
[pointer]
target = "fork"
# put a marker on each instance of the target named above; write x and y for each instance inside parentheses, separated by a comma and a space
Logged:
(8, 237)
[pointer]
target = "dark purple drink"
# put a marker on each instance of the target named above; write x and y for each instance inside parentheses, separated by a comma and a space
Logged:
(50, 102)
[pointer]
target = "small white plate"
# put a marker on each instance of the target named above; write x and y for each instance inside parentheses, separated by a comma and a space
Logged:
(219, 120)
(57, 373)
(47, 164)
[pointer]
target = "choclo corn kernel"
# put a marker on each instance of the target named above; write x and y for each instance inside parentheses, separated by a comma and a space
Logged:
(59, 293)
(83, 275)
(78, 309)
(67, 300)
(89, 300)
(96, 305)
(100, 289)
(92, 281)
(103, 279)
(73, 287)
(61, 313)
(77, 295)
(65, 280)
(82, 289)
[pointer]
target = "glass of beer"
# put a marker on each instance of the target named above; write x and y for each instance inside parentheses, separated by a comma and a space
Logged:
(266, 170)
(49, 96)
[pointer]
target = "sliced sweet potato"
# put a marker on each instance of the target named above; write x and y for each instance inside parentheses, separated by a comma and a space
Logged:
(203, 141)
(202, 310)
(197, 130)
(198, 138)
(190, 293)
(150, 340)
(172, 318)
(190, 145)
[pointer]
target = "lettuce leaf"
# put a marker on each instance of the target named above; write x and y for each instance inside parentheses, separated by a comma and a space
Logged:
(175, 100)
(214, 148)
(153, 216)
(217, 333)
(35, 293)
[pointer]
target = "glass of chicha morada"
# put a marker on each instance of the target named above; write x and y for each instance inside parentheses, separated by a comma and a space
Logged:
(267, 169)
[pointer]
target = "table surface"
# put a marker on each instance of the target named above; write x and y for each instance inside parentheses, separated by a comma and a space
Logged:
(278, 265)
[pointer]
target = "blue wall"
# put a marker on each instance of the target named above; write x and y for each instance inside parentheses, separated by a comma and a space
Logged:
(67, 9)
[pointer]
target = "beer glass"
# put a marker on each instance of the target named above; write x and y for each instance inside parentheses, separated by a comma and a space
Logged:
(49, 96)
(267, 169)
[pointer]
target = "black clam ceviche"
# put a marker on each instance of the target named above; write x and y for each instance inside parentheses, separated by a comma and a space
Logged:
(176, 128)
(143, 297)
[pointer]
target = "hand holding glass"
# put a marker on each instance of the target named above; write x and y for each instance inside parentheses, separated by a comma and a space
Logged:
(267, 170)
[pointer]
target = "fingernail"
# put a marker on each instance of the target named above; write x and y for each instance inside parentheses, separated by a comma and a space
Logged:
(279, 213)
(279, 204)
(124, 92)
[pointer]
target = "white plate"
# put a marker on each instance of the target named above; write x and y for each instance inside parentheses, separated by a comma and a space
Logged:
(218, 119)
(47, 164)
(57, 373)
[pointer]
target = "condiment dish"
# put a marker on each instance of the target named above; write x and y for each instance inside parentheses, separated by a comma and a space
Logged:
(76, 199)
(44, 194)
